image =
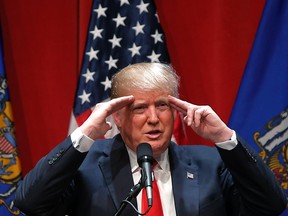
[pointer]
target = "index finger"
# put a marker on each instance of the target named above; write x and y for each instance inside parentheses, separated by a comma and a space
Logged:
(180, 105)
(118, 103)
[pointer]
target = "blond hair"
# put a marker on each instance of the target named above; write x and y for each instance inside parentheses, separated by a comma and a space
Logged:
(146, 77)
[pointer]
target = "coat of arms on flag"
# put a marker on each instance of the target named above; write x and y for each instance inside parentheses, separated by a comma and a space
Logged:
(10, 169)
(273, 142)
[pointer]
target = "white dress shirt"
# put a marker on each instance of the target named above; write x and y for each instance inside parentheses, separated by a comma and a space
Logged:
(164, 182)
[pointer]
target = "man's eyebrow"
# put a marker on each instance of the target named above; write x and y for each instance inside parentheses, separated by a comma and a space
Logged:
(137, 103)
(162, 99)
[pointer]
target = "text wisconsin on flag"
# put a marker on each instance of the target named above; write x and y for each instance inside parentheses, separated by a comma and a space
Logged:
(120, 33)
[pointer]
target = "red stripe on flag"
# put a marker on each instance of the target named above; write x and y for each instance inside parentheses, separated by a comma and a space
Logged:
(179, 132)
(5, 145)
(83, 116)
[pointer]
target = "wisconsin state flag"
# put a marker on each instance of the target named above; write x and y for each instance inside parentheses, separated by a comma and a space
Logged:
(10, 169)
(260, 113)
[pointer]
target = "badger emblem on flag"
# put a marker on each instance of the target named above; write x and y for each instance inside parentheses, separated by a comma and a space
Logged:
(273, 142)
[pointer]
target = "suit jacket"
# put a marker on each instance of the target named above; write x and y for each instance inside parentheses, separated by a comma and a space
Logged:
(66, 181)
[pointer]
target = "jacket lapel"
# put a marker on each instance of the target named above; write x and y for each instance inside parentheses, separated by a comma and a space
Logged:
(116, 170)
(184, 182)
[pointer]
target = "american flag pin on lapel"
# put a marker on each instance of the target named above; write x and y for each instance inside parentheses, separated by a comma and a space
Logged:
(190, 175)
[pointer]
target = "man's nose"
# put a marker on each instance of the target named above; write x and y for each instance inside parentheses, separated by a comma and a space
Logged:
(152, 115)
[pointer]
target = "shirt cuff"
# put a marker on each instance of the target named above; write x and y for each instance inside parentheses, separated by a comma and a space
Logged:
(80, 141)
(229, 144)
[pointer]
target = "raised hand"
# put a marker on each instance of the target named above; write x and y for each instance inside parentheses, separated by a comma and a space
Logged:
(96, 125)
(203, 120)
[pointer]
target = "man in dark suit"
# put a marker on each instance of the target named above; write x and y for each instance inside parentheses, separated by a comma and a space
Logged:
(85, 175)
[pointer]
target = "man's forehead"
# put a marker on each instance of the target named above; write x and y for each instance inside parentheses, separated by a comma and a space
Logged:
(150, 99)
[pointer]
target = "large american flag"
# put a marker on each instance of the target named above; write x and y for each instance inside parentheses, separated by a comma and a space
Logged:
(121, 32)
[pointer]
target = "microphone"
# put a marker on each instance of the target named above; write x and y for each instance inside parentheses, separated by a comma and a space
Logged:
(145, 161)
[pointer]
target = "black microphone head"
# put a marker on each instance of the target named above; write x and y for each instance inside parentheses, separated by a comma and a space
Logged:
(144, 153)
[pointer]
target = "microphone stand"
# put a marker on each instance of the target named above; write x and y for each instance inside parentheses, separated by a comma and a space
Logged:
(134, 191)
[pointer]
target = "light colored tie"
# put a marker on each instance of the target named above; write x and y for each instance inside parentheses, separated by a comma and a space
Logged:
(156, 209)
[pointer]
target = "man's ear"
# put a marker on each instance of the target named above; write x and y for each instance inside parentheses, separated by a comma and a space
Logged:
(117, 119)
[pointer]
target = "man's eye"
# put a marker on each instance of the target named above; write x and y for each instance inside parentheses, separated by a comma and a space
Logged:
(139, 109)
(163, 106)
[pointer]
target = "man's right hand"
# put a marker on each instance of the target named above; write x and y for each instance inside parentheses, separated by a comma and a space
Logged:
(96, 126)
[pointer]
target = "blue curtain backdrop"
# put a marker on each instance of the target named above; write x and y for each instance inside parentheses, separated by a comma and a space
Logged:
(260, 112)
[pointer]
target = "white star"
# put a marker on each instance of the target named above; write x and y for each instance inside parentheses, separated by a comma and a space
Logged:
(135, 49)
(157, 37)
(119, 20)
(92, 54)
(96, 32)
(143, 7)
(88, 75)
(106, 83)
(100, 11)
(138, 28)
(84, 97)
(122, 2)
(115, 41)
(111, 62)
(154, 57)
